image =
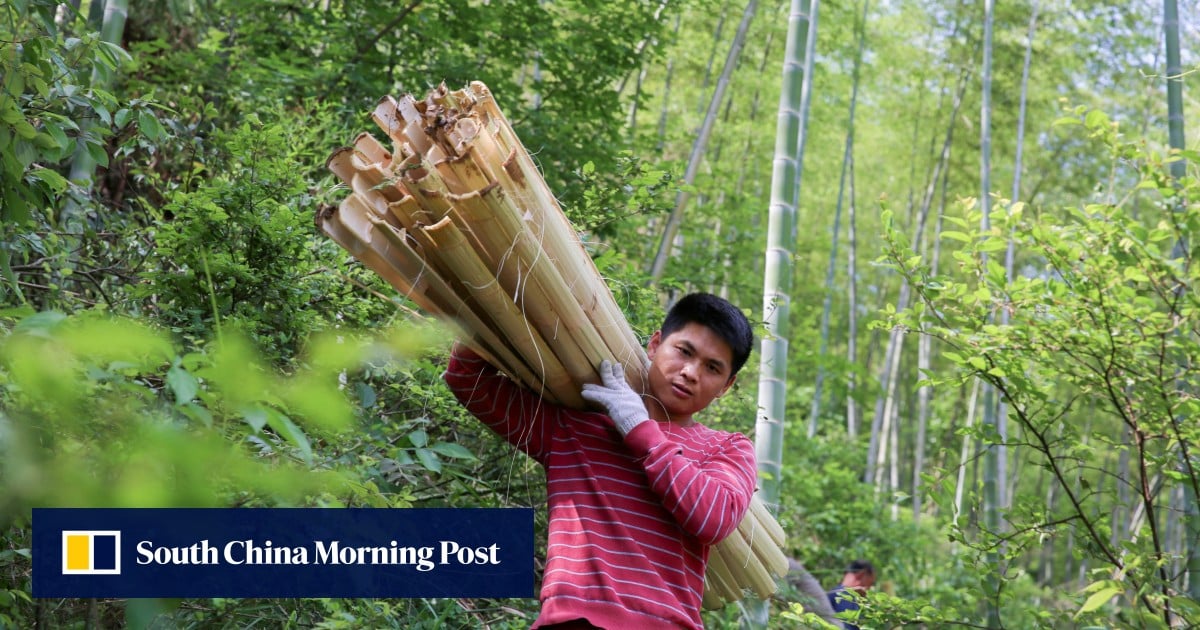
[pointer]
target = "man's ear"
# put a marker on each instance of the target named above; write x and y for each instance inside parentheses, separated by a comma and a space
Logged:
(652, 345)
(732, 380)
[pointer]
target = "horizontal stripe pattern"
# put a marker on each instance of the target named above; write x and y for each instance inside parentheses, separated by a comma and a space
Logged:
(630, 520)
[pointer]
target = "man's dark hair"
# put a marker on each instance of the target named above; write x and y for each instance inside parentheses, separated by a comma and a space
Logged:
(723, 318)
(861, 566)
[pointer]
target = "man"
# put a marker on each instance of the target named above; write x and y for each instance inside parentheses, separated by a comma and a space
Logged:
(859, 577)
(637, 494)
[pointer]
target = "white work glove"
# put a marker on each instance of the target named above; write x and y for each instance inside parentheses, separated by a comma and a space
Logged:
(624, 405)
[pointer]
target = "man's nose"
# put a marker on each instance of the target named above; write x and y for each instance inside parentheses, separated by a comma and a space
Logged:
(689, 370)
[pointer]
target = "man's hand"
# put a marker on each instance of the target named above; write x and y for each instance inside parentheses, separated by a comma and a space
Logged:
(624, 405)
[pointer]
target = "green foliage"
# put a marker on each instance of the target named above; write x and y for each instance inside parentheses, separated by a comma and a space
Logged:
(53, 104)
(99, 411)
(1098, 322)
(106, 412)
(241, 249)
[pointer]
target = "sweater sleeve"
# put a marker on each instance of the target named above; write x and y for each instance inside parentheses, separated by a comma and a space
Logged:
(708, 499)
(514, 413)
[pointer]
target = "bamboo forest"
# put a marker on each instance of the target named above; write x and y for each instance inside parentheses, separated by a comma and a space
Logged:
(962, 231)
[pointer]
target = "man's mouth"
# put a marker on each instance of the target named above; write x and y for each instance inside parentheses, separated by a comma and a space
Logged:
(681, 390)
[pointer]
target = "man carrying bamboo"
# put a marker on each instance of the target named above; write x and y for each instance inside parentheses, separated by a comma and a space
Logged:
(638, 494)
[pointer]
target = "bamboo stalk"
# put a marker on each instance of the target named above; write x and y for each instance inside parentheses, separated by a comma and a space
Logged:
(374, 152)
(465, 171)
(407, 271)
(557, 236)
(719, 579)
(745, 566)
(408, 213)
(454, 249)
(398, 259)
(511, 257)
(774, 529)
(756, 537)
(401, 121)
(499, 353)
(423, 182)
(355, 214)
(370, 181)
(473, 334)
(552, 301)
(710, 600)
(350, 242)
(479, 146)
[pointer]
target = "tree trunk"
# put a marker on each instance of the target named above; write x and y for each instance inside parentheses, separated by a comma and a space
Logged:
(924, 355)
(837, 218)
(83, 166)
(994, 457)
(965, 452)
(666, 98)
(777, 278)
(852, 414)
(1175, 134)
(884, 403)
(772, 392)
(671, 229)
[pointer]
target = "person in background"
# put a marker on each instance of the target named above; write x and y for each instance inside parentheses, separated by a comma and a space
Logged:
(858, 579)
(639, 491)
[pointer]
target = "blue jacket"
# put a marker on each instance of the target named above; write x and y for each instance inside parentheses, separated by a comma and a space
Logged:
(842, 599)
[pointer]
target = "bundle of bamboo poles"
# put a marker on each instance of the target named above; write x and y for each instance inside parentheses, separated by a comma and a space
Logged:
(457, 218)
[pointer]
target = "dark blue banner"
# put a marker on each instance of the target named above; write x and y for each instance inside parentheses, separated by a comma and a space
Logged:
(283, 552)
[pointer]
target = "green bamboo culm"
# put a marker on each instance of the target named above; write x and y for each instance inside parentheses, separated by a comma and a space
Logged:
(777, 276)
(1178, 171)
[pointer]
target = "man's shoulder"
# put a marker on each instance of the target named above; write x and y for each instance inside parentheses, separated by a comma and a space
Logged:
(707, 440)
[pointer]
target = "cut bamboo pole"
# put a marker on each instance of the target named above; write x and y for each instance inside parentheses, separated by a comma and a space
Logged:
(498, 352)
(369, 181)
(409, 213)
(719, 580)
(454, 249)
(374, 152)
(525, 283)
(558, 237)
(405, 270)
(744, 566)
(769, 555)
(423, 182)
(544, 286)
(774, 529)
(710, 599)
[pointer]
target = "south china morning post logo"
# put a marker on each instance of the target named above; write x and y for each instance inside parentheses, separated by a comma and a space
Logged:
(91, 552)
(283, 552)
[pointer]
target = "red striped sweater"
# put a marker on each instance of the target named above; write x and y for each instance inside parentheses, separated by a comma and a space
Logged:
(630, 522)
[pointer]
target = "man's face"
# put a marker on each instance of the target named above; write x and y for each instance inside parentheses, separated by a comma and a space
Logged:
(688, 369)
(860, 581)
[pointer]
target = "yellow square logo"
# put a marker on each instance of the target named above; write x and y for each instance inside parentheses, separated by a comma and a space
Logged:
(91, 552)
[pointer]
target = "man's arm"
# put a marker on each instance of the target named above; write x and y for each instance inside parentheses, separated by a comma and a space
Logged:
(511, 411)
(708, 498)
